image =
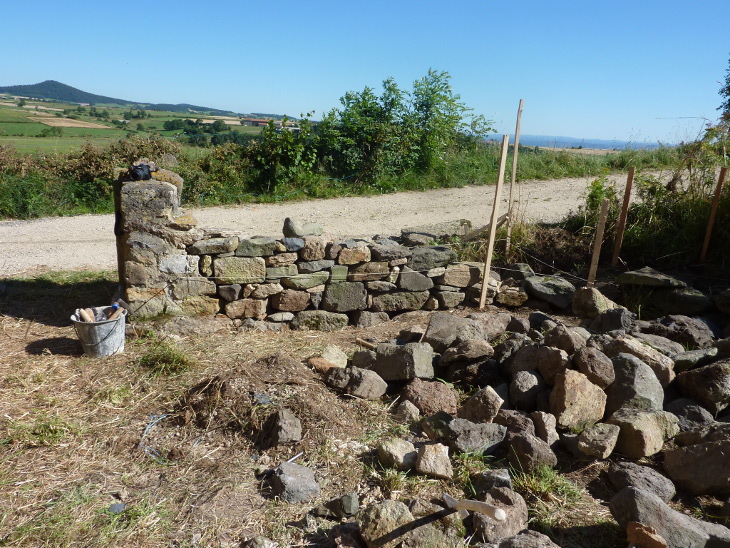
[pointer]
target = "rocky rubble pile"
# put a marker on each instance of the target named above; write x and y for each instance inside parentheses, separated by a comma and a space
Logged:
(614, 387)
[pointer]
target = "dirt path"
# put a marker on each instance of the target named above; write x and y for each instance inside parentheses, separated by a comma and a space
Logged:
(87, 241)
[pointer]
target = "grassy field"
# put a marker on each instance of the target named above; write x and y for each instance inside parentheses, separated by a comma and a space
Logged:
(21, 131)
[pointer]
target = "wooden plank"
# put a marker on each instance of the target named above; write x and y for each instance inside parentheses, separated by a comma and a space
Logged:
(622, 218)
(598, 243)
(510, 211)
(713, 213)
(493, 221)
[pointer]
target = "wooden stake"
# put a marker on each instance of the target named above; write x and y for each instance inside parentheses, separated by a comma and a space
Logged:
(493, 221)
(622, 218)
(514, 179)
(598, 243)
(713, 212)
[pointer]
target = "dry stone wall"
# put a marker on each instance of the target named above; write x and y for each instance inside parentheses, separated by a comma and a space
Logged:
(170, 265)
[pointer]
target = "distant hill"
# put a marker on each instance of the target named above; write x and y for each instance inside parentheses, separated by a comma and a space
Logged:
(574, 142)
(56, 91)
(50, 89)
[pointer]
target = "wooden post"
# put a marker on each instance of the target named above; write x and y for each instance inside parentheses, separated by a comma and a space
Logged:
(713, 213)
(622, 218)
(598, 243)
(493, 222)
(510, 213)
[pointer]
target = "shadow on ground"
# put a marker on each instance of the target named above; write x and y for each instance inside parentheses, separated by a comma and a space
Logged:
(51, 298)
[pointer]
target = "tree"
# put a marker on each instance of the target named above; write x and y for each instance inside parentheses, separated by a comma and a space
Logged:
(21, 103)
(725, 94)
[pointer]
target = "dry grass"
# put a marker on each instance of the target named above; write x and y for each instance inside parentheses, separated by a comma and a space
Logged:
(66, 122)
(79, 434)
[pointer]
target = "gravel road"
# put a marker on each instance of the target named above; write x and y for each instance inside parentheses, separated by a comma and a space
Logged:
(86, 242)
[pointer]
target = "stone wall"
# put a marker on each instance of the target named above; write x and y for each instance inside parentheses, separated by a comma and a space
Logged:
(170, 265)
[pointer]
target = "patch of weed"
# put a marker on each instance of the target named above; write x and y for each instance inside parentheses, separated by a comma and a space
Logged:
(164, 358)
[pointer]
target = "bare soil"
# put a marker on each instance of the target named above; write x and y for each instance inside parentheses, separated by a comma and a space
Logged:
(66, 122)
(86, 242)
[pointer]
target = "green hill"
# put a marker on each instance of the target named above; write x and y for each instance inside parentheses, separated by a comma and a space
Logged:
(50, 89)
(56, 91)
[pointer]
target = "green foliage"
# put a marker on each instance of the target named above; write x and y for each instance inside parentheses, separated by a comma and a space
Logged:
(163, 358)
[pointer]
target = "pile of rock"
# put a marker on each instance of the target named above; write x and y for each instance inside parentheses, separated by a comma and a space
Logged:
(545, 388)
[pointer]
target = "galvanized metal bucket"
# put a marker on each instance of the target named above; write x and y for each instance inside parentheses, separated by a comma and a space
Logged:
(103, 338)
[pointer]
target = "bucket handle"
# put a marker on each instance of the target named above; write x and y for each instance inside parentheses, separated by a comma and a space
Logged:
(109, 333)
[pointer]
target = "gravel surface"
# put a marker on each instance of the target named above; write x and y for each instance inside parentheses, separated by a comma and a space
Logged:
(86, 242)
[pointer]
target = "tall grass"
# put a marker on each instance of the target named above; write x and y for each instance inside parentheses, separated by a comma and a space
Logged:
(81, 181)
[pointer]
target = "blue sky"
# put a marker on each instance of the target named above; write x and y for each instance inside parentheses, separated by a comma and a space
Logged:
(641, 70)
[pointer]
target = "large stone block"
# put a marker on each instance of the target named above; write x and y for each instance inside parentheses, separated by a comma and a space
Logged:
(345, 297)
(239, 270)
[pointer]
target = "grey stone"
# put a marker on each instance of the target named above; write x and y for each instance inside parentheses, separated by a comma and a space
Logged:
(661, 365)
(404, 362)
(679, 530)
(389, 250)
(528, 453)
(615, 319)
(575, 401)
(551, 362)
(467, 350)
(545, 427)
(554, 290)
(489, 479)
(513, 504)
(462, 274)
(280, 317)
(239, 270)
(708, 385)
(493, 324)
(320, 320)
(722, 302)
(281, 427)
(690, 332)
(449, 299)
(361, 383)
(257, 247)
(482, 406)
(399, 301)
(635, 385)
(629, 474)
(379, 520)
(519, 271)
(444, 329)
(470, 437)
(427, 257)
(681, 301)
(213, 246)
(589, 302)
(694, 358)
(345, 297)
(292, 244)
(368, 272)
(262, 291)
(517, 422)
(410, 280)
(433, 460)
(648, 277)
(643, 433)
(278, 272)
(523, 359)
(599, 440)
(595, 365)
(406, 412)
(666, 346)
(305, 281)
(294, 229)
(430, 397)
(700, 469)
(364, 318)
(397, 453)
(528, 539)
(563, 338)
(294, 483)
(229, 292)
(690, 414)
(307, 267)
(191, 287)
(290, 300)
(380, 286)
(524, 388)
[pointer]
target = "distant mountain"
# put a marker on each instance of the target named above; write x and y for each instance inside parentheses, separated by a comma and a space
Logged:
(185, 108)
(50, 89)
(56, 91)
(574, 142)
